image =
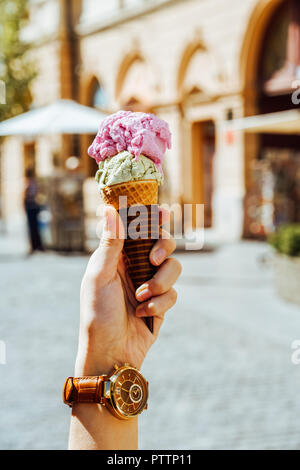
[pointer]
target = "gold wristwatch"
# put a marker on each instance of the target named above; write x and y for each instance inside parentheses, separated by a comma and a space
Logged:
(124, 392)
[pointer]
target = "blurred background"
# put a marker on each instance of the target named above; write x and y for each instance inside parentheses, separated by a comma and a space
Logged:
(225, 75)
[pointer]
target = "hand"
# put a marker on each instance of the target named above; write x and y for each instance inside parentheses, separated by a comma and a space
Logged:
(112, 329)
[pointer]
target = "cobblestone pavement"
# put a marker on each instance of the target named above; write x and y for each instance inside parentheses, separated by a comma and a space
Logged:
(221, 375)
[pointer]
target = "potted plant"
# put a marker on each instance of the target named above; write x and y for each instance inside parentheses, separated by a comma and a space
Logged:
(286, 243)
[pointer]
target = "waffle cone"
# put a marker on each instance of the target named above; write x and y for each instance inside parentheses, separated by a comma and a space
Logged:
(139, 193)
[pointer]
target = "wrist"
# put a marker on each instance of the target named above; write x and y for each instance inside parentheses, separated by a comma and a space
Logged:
(124, 392)
(86, 365)
(92, 359)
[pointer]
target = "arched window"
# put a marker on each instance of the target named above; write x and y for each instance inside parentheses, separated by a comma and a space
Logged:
(279, 62)
(98, 97)
(272, 196)
(199, 71)
(133, 104)
(274, 48)
(137, 81)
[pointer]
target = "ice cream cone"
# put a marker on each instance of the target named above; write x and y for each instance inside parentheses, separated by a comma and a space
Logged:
(129, 148)
(141, 192)
(144, 195)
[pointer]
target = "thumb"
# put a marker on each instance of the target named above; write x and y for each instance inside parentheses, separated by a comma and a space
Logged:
(112, 240)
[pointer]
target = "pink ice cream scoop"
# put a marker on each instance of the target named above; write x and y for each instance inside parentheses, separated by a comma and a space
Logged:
(138, 133)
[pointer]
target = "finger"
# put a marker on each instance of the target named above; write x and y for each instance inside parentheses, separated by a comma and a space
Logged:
(105, 259)
(161, 282)
(157, 306)
(163, 248)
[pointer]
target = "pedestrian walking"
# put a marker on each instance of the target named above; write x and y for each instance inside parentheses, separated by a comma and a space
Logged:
(32, 209)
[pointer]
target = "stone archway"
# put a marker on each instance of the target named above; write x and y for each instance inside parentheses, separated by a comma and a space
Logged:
(251, 48)
(265, 92)
(198, 137)
(131, 58)
(195, 46)
(137, 83)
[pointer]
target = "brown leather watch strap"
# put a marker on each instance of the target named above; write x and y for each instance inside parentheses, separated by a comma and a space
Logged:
(83, 389)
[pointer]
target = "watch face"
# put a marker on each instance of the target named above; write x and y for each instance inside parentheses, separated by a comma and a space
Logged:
(129, 392)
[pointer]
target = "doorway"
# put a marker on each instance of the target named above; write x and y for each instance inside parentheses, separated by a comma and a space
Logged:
(29, 157)
(203, 151)
(272, 163)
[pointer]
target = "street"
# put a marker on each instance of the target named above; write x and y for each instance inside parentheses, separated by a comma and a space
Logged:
(221, 375)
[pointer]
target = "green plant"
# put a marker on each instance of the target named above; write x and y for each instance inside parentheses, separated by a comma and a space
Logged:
(16, 69)
(286, 240)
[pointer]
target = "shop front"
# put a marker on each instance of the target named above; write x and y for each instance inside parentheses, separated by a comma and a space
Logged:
(272, 123)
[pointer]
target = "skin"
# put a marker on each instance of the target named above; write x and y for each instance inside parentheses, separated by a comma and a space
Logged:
(113, 331)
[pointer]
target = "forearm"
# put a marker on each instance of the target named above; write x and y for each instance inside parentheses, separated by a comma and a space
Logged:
(93, 427)
(113, 336)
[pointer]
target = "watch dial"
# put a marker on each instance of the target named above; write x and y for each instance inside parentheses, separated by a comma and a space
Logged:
(130, 392)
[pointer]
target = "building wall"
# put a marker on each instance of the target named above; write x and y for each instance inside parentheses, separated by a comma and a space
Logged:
(163, 37)
(42, 31)
(159, 58)
(183, 60)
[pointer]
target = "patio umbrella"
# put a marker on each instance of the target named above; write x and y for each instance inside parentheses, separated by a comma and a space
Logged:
(60, 117)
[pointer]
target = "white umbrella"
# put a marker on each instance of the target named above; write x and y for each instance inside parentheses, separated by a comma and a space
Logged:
(60, 117)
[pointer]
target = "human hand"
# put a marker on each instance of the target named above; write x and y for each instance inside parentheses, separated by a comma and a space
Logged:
(112, 329)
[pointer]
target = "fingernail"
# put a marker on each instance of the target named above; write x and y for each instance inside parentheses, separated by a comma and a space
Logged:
(159, 255)
(140, 312)
(143, 292)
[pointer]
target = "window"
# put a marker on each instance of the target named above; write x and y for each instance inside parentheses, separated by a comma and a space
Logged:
(98, 97)
(275, 45)
(280, 56)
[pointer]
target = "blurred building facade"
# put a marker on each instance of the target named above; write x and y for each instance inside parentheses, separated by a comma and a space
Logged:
(197, 64)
